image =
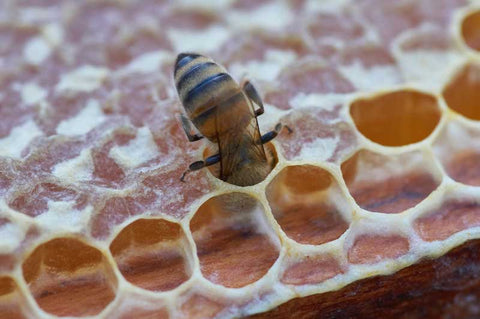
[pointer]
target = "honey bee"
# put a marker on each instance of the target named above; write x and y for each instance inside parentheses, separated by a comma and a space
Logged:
(223, 112)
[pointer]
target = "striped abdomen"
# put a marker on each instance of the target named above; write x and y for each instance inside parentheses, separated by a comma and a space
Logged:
(211, 98)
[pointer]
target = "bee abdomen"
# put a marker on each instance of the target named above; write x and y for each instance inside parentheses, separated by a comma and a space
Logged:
(201, 83)
(195, 72)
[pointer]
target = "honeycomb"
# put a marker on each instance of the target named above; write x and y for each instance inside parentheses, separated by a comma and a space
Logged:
(379, 175)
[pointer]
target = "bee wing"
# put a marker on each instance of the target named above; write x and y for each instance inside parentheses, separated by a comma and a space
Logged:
(257, 146)
(234, 147)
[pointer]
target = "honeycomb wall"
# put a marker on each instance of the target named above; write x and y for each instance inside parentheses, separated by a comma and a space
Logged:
(380, 171)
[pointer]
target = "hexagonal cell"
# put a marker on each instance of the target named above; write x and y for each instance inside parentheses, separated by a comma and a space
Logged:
(373, 248)
(152, 254)
(471, 30)
(390, 184)
(69, 278)
(199, 306)
(11, 302)
(308, 204)
(312, 270)
(396, 118)
(235, 244)
(454, 214)
(463, 92)
(458, 148)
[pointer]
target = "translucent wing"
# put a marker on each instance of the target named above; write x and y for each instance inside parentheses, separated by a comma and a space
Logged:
(240, 147)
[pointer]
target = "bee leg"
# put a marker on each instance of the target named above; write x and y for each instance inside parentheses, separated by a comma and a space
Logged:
(252, 93)
(214, 159)
(187, 127)
(267, 137)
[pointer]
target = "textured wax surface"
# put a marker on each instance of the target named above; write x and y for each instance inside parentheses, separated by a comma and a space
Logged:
(381, 168)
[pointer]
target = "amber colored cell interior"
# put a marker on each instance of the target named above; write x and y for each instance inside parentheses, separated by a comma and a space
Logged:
(69, 278)
(397, 118)
(299, 197)
(233, 246)
(10, 303)
(453, 216)
(390, 195)
(464, 167)
(150, 254)
(471, 30)
(463, 92)
(7, 286)
(370, 249)
(312, 270)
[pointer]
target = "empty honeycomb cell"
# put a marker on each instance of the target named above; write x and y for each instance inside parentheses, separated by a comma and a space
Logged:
(471, 30)
(370, 249)
(308, 204)
(198, 306)
(312, 270)
(452, 216)
(396, 118)
(390, 184)
(463, 92)
(235, 245)
(69, 278)
(151, 253)
(458, 149)
(10, 299)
